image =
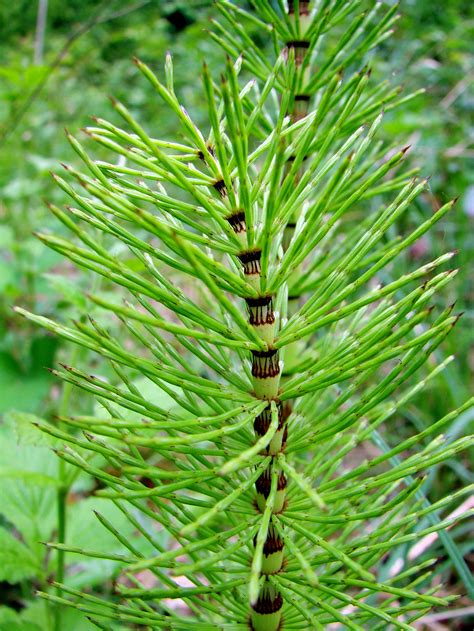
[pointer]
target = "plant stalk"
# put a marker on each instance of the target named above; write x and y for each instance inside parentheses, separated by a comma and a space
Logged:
(61, 502)
(266, 611)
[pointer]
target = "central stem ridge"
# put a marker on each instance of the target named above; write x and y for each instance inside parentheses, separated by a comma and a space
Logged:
(266, 612)
(266, 371)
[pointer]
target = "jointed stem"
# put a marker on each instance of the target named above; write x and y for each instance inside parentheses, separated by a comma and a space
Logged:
(271, 486)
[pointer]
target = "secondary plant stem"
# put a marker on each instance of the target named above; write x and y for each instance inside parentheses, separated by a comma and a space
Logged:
(61, 499)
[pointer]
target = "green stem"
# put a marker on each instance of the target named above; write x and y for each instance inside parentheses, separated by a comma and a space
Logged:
(65, 484)
(269, 547)
(61, 500)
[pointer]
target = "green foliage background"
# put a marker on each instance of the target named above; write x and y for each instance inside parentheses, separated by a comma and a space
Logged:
(431, 49)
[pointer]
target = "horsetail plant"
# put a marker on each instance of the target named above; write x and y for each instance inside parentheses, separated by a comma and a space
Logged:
(258, 244)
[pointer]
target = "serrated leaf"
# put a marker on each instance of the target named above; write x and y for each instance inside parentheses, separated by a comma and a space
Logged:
(25, 503)
(30, 477)
(86, 531)
(17, 562)
(35, 614)
(23, 425)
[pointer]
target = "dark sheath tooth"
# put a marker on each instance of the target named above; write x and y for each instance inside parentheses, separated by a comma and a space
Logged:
(220, 188)
(251, 261)
(263, 420)
(237, 221)
(272, 545)
(260, 310)
(300, 48)
(265, 364)
(264, 483)
(292, 159)
(285, 436)
(297, 43)
(303, 7)
(201, 153)
(267, 604)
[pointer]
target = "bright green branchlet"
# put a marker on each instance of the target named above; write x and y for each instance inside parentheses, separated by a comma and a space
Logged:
(259, 298)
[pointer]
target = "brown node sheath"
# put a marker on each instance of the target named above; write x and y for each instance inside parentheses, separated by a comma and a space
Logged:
(298, 43)
(300, 109)
(263, 420)
(237, 221)
(272, 544)
(300, 48)
(200, 154)
(264, 482)
(260, 310)
(220, 187)
(266, 604)
(303, 7)
(250, 261)
(265, 364)
(293, 158)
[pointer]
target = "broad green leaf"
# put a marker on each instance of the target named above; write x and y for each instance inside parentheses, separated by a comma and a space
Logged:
(86, 531)
(17, 562)
(25, 503)
(37, 615)
(22, 389)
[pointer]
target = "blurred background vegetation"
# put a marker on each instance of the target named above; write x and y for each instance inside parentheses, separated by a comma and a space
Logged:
(58, 80)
